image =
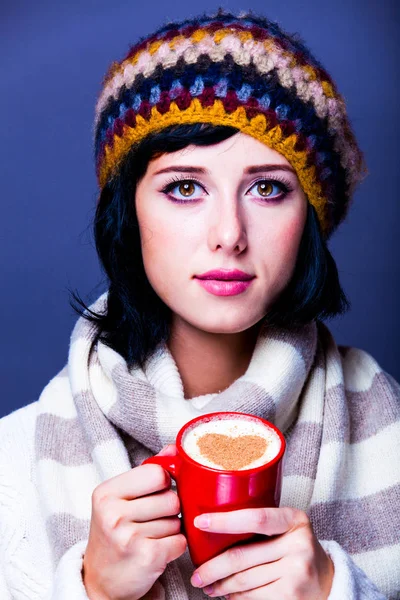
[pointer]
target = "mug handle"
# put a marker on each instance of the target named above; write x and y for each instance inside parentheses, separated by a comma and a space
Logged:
(169, 463)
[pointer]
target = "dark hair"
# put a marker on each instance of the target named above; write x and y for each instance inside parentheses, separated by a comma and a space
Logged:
(136, 319)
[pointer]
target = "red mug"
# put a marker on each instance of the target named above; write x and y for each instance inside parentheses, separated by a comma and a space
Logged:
(203, 489)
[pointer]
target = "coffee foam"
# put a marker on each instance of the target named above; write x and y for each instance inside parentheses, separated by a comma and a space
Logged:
(233, 429)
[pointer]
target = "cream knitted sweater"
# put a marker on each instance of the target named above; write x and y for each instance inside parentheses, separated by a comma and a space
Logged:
(36, 566)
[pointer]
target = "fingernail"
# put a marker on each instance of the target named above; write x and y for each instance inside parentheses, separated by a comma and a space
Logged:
(203, 521)
(196, 579)
(208, 589)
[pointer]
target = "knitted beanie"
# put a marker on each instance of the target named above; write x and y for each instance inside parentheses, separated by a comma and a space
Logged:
(244, 71)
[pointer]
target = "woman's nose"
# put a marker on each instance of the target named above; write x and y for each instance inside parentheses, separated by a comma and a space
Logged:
(227, 227)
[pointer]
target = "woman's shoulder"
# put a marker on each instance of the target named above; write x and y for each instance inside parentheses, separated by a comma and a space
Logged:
(361, 371)
(17, 429)
(17, 452)
(17, 439)
(372, 395)
(24, 546)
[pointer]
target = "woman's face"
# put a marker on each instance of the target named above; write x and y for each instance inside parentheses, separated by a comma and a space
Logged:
(220, 207)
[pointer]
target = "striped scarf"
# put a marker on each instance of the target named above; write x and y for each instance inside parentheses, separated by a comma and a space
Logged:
(338, 409)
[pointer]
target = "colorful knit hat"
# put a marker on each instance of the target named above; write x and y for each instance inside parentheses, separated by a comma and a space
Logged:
(243, 71)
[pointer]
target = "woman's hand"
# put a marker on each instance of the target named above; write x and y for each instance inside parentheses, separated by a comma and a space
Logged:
(134, 533)
(292, 564)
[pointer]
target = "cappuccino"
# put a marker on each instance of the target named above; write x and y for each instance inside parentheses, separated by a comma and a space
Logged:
(231, 444)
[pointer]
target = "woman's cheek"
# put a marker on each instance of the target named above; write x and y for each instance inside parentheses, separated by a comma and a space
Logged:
(286, 244)
(164, 260)
(291, 232)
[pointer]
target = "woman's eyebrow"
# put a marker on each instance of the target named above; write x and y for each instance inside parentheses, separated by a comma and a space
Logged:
(247, 171)
(261, 168)
(182, 170)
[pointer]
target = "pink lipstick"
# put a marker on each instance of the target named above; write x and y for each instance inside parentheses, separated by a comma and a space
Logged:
(225, 282)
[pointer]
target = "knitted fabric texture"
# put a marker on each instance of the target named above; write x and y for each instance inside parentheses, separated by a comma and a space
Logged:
(244, 72)
(339, 412)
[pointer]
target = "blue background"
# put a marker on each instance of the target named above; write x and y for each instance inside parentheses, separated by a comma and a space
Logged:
(53, 57)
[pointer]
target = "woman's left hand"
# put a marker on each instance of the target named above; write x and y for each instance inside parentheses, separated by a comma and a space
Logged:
(292, 564)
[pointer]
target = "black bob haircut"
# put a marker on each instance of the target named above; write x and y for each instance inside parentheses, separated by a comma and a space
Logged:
(136, 319)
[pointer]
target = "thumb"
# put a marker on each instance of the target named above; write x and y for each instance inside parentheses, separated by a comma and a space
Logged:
(169, 450)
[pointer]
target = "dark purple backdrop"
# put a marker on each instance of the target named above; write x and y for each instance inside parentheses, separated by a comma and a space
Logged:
(53, 58)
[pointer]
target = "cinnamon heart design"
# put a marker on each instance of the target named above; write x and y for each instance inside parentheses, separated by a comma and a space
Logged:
(231, 453)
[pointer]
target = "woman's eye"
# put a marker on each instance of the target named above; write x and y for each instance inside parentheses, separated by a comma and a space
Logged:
(189, 190)
(184, 189)
(265, 188)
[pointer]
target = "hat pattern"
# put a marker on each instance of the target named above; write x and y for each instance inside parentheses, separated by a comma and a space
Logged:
(242, 71)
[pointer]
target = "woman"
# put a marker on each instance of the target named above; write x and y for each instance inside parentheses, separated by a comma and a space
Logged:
(221, 144)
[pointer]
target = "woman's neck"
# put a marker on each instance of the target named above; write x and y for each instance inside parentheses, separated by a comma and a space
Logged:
(210, 362)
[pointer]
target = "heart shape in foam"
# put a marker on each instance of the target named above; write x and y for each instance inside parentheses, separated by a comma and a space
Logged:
(231, 453)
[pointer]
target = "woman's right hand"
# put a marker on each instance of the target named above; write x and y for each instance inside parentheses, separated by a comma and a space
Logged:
(134, 533)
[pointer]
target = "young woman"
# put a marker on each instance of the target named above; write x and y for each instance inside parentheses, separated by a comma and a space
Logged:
(225, 162)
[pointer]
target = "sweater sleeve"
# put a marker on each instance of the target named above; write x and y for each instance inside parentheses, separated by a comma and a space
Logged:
(25, 563)
(349, 581)
(68, 582)
(4, 592)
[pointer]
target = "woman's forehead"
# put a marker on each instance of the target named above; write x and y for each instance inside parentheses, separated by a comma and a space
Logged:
(240, 150)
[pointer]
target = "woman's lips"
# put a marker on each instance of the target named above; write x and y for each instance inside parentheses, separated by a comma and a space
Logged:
(219, 287)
